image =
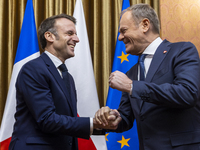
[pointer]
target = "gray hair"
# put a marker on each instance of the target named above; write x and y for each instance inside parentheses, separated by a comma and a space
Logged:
(141, 11)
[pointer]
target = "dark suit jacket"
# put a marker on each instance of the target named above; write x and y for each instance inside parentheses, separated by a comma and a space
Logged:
(46, 116)
(166, 105)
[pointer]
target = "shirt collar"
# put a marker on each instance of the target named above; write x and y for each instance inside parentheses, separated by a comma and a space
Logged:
(56, 61)
(151, 49)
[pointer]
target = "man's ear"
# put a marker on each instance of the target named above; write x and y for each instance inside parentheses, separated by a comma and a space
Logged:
(145, 25)
(49, 36)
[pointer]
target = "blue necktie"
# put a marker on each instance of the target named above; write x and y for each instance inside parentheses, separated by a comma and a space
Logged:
(65, 76)
(142, 69)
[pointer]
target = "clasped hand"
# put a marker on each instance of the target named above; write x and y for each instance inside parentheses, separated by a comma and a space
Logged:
(118, 80)
(107, 118)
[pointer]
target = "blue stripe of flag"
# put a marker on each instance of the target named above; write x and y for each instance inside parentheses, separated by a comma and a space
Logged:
(114, 96)
(28, 41)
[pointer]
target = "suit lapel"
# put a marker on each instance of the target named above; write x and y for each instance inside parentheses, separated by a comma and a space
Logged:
(51, 67)
(158, 57)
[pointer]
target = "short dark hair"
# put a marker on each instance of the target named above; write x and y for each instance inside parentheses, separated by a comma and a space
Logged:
(141, 11)
(48, 25)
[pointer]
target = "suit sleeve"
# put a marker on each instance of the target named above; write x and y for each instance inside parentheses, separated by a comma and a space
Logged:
(176, 82)
(34, 87)
(126, 113)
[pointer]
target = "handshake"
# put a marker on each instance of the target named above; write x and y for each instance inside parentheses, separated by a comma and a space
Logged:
(106, 118)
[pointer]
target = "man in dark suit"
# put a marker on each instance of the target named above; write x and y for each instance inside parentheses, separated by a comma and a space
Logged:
(46, 112)
(163, 93)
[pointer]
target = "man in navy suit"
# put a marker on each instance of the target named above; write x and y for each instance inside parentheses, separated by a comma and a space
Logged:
(46, 115)
(165, 100)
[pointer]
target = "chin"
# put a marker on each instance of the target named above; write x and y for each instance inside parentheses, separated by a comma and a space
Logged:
(72, 55)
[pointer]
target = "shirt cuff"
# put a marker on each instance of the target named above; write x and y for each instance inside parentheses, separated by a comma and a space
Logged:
(131, 89)
(91, 126)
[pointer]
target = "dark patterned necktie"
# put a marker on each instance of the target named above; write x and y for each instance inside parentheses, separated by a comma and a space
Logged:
(65, 76)
(142, 69)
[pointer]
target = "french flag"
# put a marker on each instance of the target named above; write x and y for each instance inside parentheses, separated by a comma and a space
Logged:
(80, 67)
(27, 50)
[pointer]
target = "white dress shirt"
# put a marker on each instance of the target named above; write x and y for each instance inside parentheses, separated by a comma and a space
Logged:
(150, 51)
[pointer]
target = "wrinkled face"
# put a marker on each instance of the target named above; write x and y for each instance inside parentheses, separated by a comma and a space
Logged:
(66, 39)
(131, 34)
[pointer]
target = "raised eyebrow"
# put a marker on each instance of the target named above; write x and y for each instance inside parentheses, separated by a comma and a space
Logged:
(71, 31)
(121, 30)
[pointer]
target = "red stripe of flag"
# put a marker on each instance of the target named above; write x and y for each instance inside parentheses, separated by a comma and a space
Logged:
(84, 144)
(5, 144)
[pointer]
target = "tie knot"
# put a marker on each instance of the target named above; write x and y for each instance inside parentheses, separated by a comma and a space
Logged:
(63, 68)
(142, 57)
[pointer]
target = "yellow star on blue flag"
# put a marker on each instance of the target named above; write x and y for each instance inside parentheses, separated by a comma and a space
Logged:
(124, 142)
(123, 57)
(106, 136)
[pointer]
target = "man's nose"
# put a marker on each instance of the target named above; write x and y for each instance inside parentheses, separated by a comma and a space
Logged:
(75, 38)
(121, 37)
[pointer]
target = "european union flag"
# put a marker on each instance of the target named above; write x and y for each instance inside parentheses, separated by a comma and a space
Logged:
(122, 62)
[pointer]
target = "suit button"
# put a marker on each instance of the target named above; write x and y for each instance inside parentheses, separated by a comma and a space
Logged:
(70, 143)
(147, 99)
(142, 118)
